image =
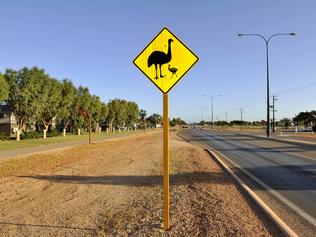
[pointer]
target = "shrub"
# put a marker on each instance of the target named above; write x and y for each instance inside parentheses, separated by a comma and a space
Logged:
(53, 133)
(31, 135)
(3, 136)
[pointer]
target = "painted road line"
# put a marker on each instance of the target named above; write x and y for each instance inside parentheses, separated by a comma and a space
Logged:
(275, 218)
(288, 152)
(279, 139)
(287, 202)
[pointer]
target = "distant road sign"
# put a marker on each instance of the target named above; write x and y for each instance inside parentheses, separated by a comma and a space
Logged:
(165, 60)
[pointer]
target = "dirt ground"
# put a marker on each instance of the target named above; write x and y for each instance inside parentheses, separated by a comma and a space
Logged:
(115, 189)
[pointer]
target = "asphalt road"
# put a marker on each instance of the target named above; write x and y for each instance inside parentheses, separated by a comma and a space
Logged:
(286, 170)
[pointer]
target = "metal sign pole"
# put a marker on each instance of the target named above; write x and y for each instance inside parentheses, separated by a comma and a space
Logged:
(161, 66)
(166, 214)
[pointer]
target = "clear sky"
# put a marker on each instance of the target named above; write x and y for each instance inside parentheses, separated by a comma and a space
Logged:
(93, 43)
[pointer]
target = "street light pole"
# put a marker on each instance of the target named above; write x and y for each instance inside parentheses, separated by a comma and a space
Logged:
(268, 86)
(212, 98)
(202, 108)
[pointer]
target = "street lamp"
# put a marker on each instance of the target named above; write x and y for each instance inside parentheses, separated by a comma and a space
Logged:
(267, 40)
(202, 108)
(212, 98)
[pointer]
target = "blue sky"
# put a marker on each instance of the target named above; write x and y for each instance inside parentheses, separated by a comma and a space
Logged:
(93, 43)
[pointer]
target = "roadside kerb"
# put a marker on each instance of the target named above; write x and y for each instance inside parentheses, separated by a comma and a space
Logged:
(270, 213)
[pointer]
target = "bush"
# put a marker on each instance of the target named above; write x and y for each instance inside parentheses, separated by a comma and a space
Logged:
(3, 136)
(31, 135)
(53, 133)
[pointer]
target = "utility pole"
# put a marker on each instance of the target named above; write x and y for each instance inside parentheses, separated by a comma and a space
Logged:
(274, 98)
(226, 116)
(241, 110)
(202, 108)
(212, 98)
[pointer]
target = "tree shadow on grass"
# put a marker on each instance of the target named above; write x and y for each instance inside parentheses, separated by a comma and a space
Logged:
(278, 177)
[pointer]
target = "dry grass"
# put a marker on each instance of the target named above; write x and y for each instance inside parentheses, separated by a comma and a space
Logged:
(115, 189)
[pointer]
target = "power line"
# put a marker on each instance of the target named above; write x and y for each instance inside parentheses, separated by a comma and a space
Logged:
(295, 89)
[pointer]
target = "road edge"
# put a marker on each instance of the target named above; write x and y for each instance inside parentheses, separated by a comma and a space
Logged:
(269, 212)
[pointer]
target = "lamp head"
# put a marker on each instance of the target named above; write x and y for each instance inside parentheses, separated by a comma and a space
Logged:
(240, 34)
(293, 34)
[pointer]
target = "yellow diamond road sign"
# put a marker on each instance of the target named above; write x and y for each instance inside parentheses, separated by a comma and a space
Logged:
(165, 60)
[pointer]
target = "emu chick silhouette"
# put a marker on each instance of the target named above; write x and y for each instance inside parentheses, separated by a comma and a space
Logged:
(158, 58)
(173, 70)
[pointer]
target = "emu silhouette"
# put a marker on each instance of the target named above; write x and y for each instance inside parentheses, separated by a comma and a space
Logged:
(158, 58)
(173, 70)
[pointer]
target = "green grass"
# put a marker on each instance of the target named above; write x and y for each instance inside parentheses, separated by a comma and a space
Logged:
(14, 145)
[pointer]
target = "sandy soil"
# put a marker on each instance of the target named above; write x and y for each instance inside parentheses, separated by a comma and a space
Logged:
(115, 189)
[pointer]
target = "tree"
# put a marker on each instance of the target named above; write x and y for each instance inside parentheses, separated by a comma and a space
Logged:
(132, 114)
(4, 88)
(24, 94)
(177, 122)
(50, 100)
(82, 99)
(305, 118)
(104, 113)
(99, 111)
(155, 119)
(66, 105)
(142, 117)
(117, 116)
(285, 122)
(221, 123)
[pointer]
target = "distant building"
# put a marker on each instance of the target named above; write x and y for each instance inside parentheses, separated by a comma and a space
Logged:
(158, 125)
(8, 124)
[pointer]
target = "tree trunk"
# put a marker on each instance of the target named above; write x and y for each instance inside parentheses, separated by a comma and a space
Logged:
(90, 128)
(46, 125)
(65, 128)
(18, 135)
(45, 130)
(21, 123)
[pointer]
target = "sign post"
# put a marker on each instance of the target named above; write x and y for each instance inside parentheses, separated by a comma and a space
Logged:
(164, 61)
(166, 192)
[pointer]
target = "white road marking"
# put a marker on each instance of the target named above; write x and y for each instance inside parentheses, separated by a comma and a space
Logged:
(283, 199)
(284, 227)
(288, 152)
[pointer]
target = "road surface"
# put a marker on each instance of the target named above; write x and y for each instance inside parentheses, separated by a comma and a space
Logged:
(286, 171)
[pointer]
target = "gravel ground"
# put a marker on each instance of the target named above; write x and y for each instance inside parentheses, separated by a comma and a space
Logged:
(115, 189)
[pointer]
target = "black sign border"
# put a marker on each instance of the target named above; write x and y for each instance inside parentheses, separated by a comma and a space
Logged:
(197, 59)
